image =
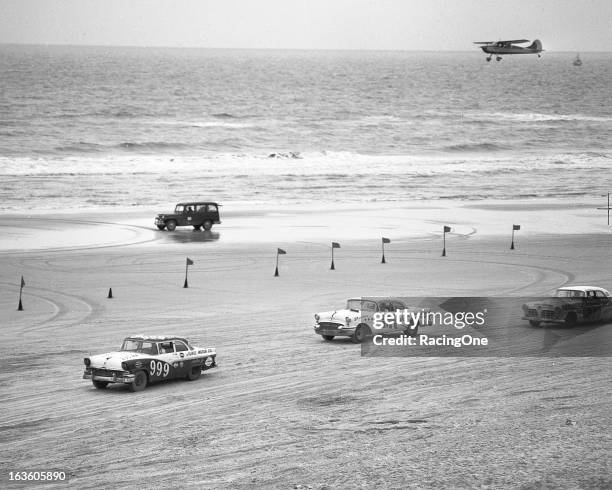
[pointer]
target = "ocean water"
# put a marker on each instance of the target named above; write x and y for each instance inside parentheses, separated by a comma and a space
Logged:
(97, 127)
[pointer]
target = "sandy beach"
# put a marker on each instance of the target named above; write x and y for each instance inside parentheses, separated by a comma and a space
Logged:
(285, 409)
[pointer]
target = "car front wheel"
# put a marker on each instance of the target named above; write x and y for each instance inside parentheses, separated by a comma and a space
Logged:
(99, 384)
(140, 381)
(534, 323)
(571, 320)
(171, 225)
(194, 373)
(361, 333)
(327, 337)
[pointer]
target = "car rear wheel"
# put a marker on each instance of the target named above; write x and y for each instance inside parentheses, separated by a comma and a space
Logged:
(171, 225)
(140, 381)
(361, 333)
(161, 227)
(327, 337)
(194, 373)
(99, 384)
(207, 225)
(534, 323)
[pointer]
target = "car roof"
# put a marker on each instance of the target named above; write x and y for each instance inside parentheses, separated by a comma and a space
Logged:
(377, 298)
(581, 288)
(156, 338)
(191, 203)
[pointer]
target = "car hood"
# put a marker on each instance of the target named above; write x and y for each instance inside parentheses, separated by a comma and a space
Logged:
(113, 360)
(339, 316)
(549, 303)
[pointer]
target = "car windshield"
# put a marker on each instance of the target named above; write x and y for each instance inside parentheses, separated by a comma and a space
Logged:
(360, 305)
(142, 346)
(179, 209)
(569, 293)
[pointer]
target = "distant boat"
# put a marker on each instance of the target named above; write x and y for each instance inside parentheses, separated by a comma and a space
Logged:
(577, 61)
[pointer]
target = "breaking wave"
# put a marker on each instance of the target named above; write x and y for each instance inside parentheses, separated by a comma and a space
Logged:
(474, 147)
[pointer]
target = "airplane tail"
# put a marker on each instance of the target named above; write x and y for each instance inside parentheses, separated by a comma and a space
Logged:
(536, 46)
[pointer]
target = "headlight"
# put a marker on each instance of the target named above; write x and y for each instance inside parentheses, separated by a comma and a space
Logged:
(348, 321)
(317, 317)
(558, 312)
(124, 366)
(525, 308)
(87, 361)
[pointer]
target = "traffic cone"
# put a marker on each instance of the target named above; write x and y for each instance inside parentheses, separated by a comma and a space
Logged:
(110, 293)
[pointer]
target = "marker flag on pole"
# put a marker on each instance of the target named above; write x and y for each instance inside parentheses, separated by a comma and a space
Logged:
(446, 230)
(384, 240)
(279, 251)
(189, 262)
(334, 245)
(514, 228)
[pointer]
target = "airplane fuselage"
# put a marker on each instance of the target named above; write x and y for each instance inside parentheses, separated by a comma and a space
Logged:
(491, 49)
(507, 47)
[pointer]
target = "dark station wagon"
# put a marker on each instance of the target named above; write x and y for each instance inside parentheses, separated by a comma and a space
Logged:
(197, 214)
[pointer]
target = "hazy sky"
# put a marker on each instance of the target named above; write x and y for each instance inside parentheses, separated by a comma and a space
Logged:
(562, 25)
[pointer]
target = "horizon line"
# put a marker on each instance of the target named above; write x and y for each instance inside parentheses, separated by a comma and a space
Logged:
(380, 50)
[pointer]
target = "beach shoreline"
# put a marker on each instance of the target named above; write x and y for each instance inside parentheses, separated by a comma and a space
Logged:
(406, 220)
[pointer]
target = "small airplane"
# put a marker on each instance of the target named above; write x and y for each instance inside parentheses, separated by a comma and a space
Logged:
(509, 47)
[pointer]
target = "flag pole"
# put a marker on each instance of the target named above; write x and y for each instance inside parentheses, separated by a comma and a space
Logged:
(444, 243)
(276, 271)
(332, 264)
(512, 244)
(186, 285)
(20, 307)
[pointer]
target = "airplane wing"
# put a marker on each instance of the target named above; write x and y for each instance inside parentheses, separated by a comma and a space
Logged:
(504, 42)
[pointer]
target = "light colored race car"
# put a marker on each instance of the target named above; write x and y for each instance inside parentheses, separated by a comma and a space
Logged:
(143, 360)
(362, 318)
(571, 306)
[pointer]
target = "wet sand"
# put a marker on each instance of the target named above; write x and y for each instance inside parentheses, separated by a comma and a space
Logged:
(285, 408)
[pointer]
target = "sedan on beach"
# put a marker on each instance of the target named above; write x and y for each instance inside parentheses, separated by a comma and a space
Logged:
(571, 306)
(143, 360)
(364, 316)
